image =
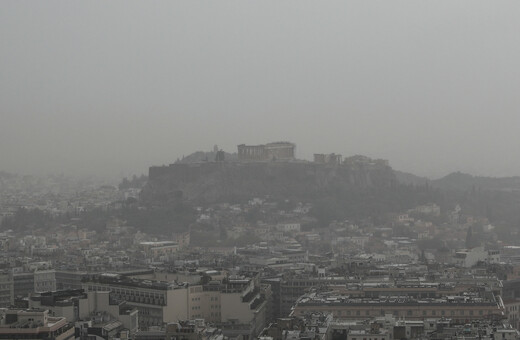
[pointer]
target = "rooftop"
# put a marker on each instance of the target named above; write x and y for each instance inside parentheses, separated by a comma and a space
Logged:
(314, 299)
(118, 280)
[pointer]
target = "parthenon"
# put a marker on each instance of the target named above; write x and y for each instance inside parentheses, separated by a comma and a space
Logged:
(267, 152)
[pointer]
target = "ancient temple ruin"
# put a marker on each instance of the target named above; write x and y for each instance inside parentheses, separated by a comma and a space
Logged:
(283, 151)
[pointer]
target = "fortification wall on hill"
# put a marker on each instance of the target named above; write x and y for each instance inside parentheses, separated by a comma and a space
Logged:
(236, 181)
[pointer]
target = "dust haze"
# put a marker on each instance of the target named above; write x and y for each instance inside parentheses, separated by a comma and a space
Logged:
(109, 88)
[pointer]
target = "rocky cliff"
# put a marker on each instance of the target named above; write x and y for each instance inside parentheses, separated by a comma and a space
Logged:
(234, 181)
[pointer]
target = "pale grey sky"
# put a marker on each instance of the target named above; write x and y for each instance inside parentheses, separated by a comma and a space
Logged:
(105, 88)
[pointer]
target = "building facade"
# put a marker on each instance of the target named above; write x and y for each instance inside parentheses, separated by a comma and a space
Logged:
(6, 289)
(461, 310)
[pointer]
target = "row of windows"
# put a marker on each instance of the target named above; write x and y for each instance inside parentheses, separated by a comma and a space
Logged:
(149, 311)
(136, 292)
(434, 312)
(299, 283)
(140, 299)
(147, 322)
(132, 295)
(216, 314)
(198, 299)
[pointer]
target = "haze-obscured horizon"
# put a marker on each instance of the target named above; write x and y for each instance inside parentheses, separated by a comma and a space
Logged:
(109, 88)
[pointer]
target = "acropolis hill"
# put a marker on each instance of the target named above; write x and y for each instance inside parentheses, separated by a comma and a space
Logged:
(261, 170)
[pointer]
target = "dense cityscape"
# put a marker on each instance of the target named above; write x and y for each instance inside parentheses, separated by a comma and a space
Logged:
(98, 261)
(259, 170)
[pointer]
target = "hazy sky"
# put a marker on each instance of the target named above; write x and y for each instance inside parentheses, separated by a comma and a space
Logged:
(111, 87)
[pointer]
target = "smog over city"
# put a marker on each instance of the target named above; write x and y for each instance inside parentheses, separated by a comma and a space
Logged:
(259, 170)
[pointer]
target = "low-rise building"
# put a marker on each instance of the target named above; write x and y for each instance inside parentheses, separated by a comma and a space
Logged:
(469, 257)
(34, 324)
(461, 308)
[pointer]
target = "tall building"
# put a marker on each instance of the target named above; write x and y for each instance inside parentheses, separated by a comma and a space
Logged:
(6, 289)
(23, 284)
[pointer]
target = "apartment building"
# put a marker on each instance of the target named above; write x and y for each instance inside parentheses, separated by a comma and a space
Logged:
(6, 289)
(67, 279)
(239, 304)
(157, 302)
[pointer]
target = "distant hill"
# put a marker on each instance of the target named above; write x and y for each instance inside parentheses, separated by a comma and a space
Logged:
(410, 179)
(459, 181)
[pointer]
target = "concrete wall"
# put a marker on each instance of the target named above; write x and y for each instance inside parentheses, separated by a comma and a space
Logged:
(204, 304)
(177, 305)
(232, 308)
